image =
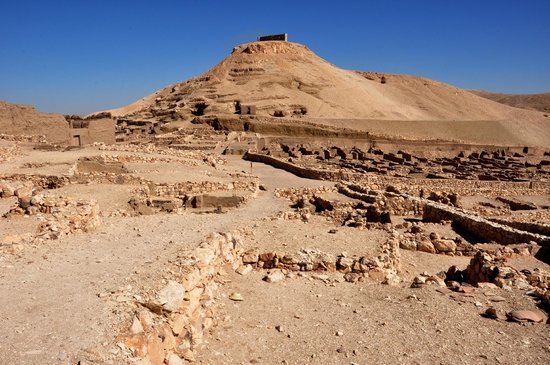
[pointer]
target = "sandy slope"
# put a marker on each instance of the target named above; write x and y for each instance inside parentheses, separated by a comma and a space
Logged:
(281, 75)
(288, 77)
(540, 102)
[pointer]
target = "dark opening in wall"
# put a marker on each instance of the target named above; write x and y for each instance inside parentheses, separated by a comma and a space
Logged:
(199, 109)
(246, 126)
(237, 107)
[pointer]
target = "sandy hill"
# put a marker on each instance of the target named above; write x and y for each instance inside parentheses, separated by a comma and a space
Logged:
(287, 79)
(540, 102)
(19, 119)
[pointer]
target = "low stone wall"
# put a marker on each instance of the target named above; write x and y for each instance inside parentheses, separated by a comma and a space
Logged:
(23, 138)
(200, 187)
(503, 233)
(480, 227)
(213, 201)
(171, 326)
(410, 185)
(10, 183)
(538, 228)
(307, 173)
(384, 268)
(153, 149)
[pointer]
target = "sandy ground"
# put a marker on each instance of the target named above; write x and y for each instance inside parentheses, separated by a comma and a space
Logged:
(64, 301)
(302, 321)
(50, 311)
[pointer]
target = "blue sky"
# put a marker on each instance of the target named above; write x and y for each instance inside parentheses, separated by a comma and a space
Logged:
(83, 56)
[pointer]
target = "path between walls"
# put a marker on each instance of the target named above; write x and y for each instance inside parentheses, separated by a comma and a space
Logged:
(50, 310)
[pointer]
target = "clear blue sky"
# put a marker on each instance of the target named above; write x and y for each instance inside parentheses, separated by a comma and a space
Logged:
(82, 56)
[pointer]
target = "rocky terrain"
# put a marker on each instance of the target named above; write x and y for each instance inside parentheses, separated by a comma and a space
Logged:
(156, 255)
(246, 217)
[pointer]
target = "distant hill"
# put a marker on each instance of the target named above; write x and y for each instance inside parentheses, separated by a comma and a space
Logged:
(540, 102)
(19, 119)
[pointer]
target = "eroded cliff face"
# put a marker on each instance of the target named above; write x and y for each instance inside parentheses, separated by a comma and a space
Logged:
(18, 119)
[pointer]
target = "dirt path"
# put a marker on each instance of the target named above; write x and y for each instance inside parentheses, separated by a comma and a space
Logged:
(50, 309)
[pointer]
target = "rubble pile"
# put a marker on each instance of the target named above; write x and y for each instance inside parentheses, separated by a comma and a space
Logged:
(308, 201)
(23, 138)
(390, 200)
(487, 268)
(416, 239)
(60, 216)
(9, 151)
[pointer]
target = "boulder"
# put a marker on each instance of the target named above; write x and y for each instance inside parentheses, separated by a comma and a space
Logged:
(442, 245)
(426, 246)
(524, 315)
(171, 296)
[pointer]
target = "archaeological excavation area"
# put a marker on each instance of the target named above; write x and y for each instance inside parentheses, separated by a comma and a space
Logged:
(332, 251)
(277, 210)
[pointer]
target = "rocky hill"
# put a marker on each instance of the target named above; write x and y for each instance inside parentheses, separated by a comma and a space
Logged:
(287, 80)
(18, 119)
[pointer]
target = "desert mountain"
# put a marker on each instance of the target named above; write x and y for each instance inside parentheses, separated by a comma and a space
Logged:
(540, 102)
(19, 119)
(286, 79)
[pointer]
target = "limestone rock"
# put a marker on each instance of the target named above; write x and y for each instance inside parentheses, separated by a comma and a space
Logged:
(250, 256)
(442, 245)
(524, 315)
(237, 297)
(408, 245)
(426, 246)
(244, 269)
(173, 359)
(495, 314)
(274, 276)
(171, 296)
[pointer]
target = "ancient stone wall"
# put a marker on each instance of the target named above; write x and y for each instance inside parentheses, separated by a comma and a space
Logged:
(307, 173)
(409, 185)
(171, 325)
(503, 233)
(538, 228)
(480, 227)
(384, 268)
